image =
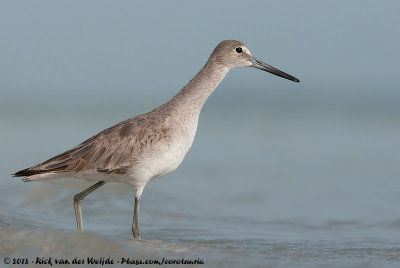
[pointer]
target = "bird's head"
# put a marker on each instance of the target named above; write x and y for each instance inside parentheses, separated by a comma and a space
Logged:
(234, 54)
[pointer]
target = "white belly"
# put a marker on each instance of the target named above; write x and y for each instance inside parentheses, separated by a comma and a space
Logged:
(166, 156)
(165, 162)
(160, 161)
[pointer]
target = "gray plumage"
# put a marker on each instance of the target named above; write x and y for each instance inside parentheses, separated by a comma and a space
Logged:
(150, 145)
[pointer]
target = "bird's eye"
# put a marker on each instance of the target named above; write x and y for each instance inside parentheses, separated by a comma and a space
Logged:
(238, 50)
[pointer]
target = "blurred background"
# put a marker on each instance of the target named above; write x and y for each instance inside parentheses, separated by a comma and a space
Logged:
(273, 161)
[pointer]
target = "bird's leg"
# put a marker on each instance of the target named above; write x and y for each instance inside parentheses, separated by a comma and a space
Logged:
(135, 225)
(78, 202)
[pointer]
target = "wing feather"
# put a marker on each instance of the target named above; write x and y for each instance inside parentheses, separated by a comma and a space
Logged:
(115, 149)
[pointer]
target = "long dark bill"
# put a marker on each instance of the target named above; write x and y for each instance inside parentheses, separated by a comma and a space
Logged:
(268, 68)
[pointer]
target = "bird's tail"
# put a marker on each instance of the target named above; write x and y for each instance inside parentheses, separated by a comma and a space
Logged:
(34, 174)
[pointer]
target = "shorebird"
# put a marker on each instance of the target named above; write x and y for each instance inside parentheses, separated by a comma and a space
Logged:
(150, 145)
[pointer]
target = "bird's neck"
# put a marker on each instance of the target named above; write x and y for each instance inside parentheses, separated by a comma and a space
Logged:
(194, 94)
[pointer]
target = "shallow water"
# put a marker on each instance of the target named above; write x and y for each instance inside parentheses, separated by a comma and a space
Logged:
(284, 190)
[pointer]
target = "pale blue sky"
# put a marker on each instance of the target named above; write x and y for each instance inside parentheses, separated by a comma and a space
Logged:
(142, 53)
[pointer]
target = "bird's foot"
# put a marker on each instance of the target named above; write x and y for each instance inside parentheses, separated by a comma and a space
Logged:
(137, 234)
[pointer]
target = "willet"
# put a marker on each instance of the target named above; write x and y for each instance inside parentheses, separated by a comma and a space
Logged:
(150, 145)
